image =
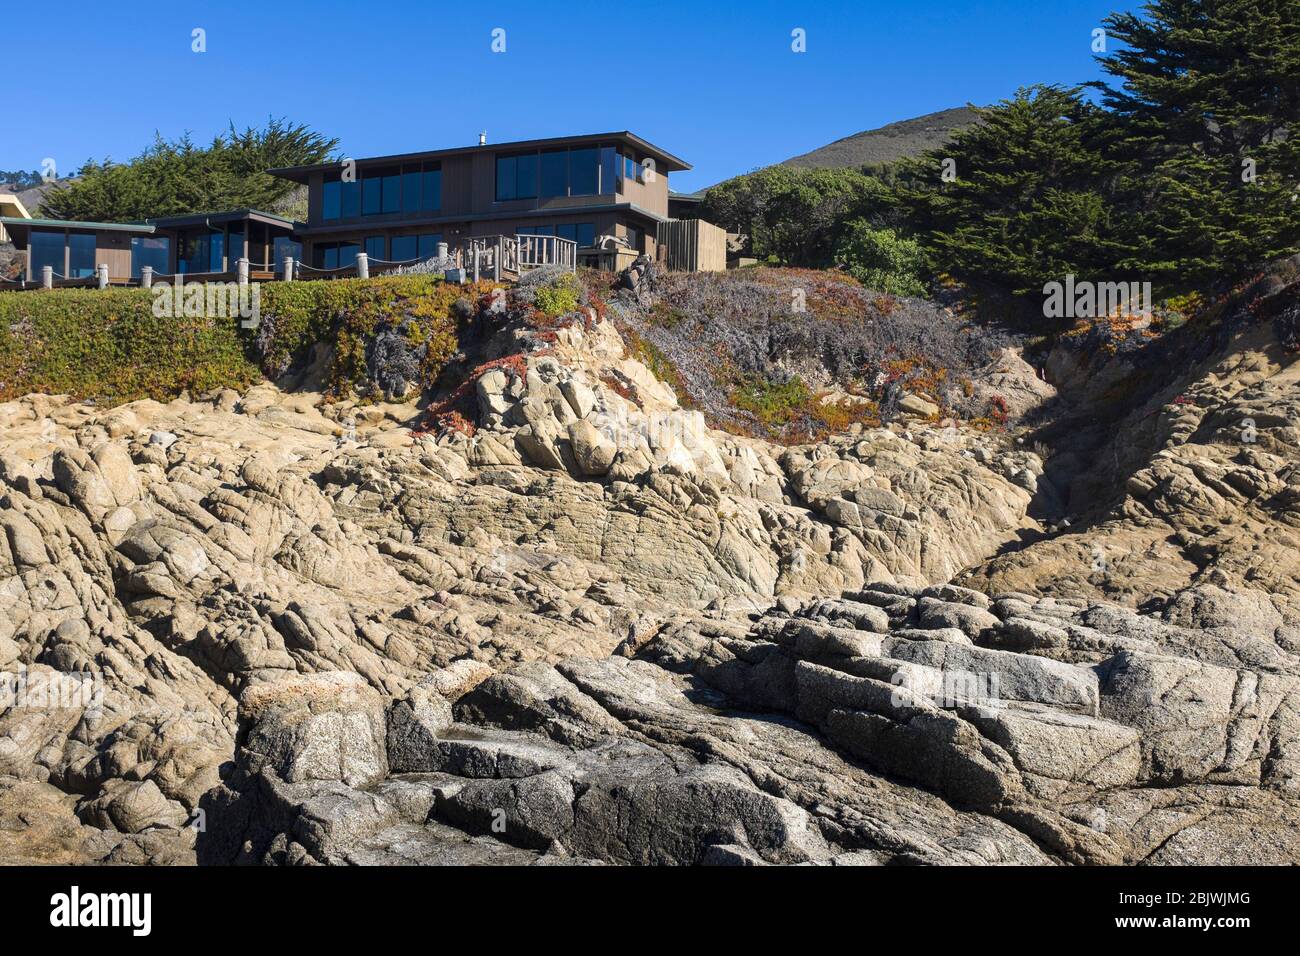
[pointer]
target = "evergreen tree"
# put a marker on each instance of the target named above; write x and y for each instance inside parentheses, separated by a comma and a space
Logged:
(1206, 122)
(796, 216)
(1025, 199)
(178, 177)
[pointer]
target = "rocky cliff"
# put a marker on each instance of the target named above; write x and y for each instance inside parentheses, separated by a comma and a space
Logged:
(557, 617)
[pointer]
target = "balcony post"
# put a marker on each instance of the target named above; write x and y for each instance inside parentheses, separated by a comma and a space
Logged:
(442, 250)
(102, 271)
(496, 264)
(363, 266)
(288, 268)
(146, 277)
(47, 277)
(241, 270)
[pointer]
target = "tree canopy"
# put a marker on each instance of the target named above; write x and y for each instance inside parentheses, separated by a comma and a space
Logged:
(175, 177)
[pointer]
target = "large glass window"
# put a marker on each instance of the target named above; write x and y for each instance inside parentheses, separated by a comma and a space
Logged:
(375, 247)
(431, 198)
(517, 176)
(81, 255)
(583, 233)
(555, 173)
(404, 248)
(217, 260)
(583, 172)
(608, 170)
(411, 191)
(236, 245)
(286, 248)
(506, 168)
(351, 199)
(526, 177)
(194, 253)
(332, 200)
(372, 195)
(334, 255)
(429, 244)
(152, 251)
(46, 249)
(393, 192)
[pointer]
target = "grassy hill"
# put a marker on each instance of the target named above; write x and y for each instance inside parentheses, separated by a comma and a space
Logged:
(888, 143)
(884, 145)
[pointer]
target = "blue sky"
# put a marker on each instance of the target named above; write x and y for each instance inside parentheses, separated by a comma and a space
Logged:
(717, 84)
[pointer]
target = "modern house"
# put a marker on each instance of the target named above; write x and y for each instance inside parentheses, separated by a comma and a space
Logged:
(205, 244)
(576, 188)
(598, 200)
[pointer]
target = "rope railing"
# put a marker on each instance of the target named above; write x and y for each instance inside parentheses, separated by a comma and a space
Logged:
(297, 265)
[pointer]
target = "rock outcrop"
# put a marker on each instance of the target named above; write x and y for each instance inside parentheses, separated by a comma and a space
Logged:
(588, 628)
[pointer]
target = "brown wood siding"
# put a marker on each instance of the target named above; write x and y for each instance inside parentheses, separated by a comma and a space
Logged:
(694, 245)
(114, 250)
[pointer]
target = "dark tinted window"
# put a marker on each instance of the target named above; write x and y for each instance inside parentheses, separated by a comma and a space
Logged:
(331, 206)
(506, 170)
(432, 197)
(608, 170)
(236, 245)
(152, 251)
(555, 173)
(193, 253)
(411, 191)
(351, 199)
(372, 195)
(393, 193)
(586, 234)
(46, 250)
(583, 172)
(286, 248)
(568, 231)
(375, 247)
(217, 244)
(81, 255)
(404, 248)
(526, 177)
(429, 244)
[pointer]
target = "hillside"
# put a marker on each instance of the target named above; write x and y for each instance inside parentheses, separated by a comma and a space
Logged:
(883, 145)
(888, 143)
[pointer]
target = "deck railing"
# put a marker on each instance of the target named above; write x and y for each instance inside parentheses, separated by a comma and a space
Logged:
(500, 256)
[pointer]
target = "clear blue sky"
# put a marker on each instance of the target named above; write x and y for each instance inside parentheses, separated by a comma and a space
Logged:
(717, 84)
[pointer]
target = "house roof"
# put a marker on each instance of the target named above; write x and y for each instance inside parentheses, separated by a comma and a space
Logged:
(12, 207)
(665, 160)
(20, 228)
(232, 215)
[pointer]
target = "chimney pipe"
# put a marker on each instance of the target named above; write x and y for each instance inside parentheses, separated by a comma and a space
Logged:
(482, 138)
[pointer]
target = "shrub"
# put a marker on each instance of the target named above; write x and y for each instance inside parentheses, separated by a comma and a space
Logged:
(107, 345)
(880, 260)
(559, 297)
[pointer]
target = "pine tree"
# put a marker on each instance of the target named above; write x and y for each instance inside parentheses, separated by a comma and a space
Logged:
(1026, 200)
(1207, 123)
(177, 177)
